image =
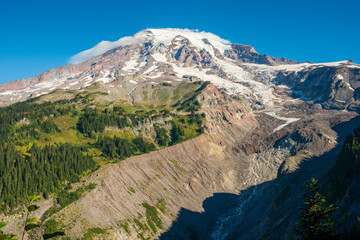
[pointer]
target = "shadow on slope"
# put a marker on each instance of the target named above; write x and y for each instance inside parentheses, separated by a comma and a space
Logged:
(269, 210)
(194, 225)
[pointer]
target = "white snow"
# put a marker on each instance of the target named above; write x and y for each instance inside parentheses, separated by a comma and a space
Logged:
(45, 84)
(300, 66)
(9, 93)
(152, 68)
(349, 86)
(159, 57)
(158, 36)
(340, 63)
(234, 72)
(244, 85)
(142, 64)
(229, 86)
(131, 65)
(132, 81)
(339, 76)
(157, 75)
(152, 73)
(74, 83)
(288, 120)
(166, 35)
(105, 77)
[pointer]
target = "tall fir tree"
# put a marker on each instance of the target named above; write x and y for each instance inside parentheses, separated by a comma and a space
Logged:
(316, 221)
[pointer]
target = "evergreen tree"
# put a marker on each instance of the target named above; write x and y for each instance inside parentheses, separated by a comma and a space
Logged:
(162, 136)
(41, 169)
(177, 133)
(315, 220)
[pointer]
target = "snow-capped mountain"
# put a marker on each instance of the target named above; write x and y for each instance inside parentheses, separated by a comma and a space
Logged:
(264, 118)
(157, 55)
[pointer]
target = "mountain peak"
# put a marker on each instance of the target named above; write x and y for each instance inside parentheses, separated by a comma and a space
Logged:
(158, 36)
(154, 56)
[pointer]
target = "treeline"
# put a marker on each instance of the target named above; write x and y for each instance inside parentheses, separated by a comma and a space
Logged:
(35, 113)
(35, 128)
(40, 170)
(122, 147)
(94, 121)
(182, 129)
(177, 134)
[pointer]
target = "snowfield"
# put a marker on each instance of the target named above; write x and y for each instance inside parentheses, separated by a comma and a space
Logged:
(158, 36)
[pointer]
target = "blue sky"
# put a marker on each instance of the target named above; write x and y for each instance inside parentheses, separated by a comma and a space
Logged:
(39, 35)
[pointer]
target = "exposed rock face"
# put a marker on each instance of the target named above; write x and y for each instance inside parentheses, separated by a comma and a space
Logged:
(333, 87)
(247, 54)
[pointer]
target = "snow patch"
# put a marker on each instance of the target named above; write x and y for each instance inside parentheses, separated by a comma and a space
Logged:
(105, 77)
(9, 93)
(157, 75)
(339, 76)
(159, 57)
(74, 83)
(152, 68)
(243, 86)
(300, 66)
(287, 120)
(131, 65)
(142, 64)
(349, 86)
(132, 81)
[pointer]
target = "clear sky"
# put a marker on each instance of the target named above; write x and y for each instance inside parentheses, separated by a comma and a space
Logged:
(41, 34)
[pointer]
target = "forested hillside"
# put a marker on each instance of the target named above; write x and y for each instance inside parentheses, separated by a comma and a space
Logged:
(46, 144)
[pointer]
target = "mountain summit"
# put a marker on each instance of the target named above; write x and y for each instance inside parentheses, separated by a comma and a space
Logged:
(157, 55)
(202, 40)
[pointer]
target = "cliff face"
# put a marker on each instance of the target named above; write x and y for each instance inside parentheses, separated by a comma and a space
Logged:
(247, 54)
